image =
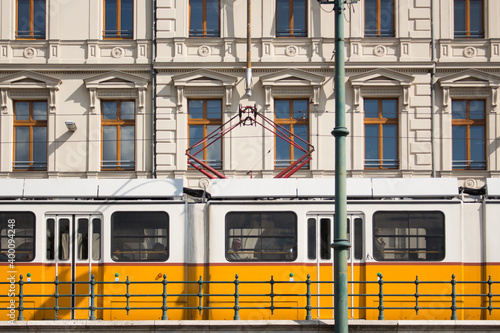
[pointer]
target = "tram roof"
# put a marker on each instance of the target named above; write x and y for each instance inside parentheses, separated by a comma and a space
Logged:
(91, 188)
(325, 188)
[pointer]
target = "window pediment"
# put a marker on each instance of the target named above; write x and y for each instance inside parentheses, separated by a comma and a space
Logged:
(125, 85)
(27, 80)
(204, 78)
(381, 78)
(292, 78)
(469, 79)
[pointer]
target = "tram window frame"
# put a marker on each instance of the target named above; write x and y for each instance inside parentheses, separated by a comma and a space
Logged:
(23, 225)
(404, 232)
(127, 225)
(280, 229)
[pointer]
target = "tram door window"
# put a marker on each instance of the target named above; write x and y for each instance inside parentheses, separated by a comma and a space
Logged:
(73, 243)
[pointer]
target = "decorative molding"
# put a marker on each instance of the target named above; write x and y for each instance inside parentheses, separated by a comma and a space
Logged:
(292, 82)
(204, 82)
(117, 52)
(291, 50)
(470, 83)
(29, 53)
(470, 52)
(3, 100)
(380, 50)
(381, 82)
(204, 51)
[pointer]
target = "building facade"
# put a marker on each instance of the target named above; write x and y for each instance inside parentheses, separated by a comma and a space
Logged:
(122, 88)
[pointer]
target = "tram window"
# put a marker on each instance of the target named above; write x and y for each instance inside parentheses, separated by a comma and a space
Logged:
(311, 238)
(83, 239)
(139, 236)
(325, 237)
(96, 239)
(358, 238)
(50, 239)
(17, 236)
(63, 239)
(261, 236)
(408, 236)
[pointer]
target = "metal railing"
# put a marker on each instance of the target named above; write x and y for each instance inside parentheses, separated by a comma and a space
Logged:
(449, 302)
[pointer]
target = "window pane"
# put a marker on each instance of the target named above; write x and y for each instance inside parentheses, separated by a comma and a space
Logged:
(386, 18)
(195, 109)
(127, 110)
(64, 239)
(212, 18)
(22, 110)
(371, 146)
(214, 109)
(263, 236)
(22, 148)
(110, 19)
(40, 110)
(283, 150)
(82, 239)
(196, 19)
(214, 152)
(390, 143)
(311, 238)
(300, 109)
(109, 152)
(325, 238)
(458, 109)
(371, 108)
(476, 19)
(477, 151)
(39, 148)
(283, 18)
(127, 157)
(19, 226)
(96, 239)
(302, 132)
(358, 238)
(109, 110)
(459, 147)
(389, 108)
(39, 18)
(408, 236)
(195, 135)
(50, 239)
(476, 109)
(370, 18)
(459, 18)
(126, 28)
(139, 236)
(299, 18)
(282, 109)
(23, 18)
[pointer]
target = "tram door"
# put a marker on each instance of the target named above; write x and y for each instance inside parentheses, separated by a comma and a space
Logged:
(74, 244)
(320, 237)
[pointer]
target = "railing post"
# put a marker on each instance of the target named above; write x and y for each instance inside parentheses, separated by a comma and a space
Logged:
(56, 296)
(490, 295)
(380, 297)
(308, 296)
(272, 294)
(200, 295)
(417, 295)
(453, 298)
(92, 298)
(164, 295)
(127, 295)
(236, 299)
(21, 297)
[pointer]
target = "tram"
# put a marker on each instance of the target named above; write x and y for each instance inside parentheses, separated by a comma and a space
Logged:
(143, 229)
